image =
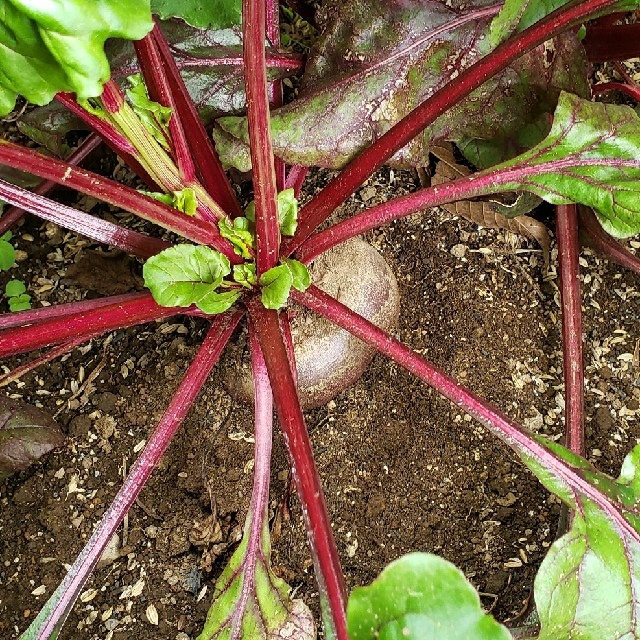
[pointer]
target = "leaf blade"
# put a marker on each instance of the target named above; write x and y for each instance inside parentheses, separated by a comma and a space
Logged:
(420, 596)
(52, 47)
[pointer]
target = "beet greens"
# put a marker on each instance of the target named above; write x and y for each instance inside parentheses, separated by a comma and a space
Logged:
(506, 82)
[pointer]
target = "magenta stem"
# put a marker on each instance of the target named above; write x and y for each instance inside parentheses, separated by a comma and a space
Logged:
(34, 316)
(603, 243)
(111, 136)
(116, 194)
(372, 158)
(633, 91)
(264, 177)
(275, 88)
(173, 417)
(137, 310)
(321, 541)
(208, 165)
(83, 223)
(572, 355)
(514, 435)
(13, 215)
(295, 178)
(52, 354)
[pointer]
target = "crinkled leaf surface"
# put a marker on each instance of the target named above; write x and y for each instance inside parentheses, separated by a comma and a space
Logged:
(375, 62)
(210, 62)
(213, 14)
(46, 47)
(588, 585)
(591, 156)
(420, 596)
(251, 603)
(188, 274)
(26, 434)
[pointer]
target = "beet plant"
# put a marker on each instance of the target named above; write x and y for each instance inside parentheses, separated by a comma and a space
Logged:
(387, 81)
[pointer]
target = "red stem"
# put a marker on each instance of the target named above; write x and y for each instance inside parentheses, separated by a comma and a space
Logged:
(137, 310)
(631, 90)
(208, 166)
(264, 177)
(34, 316)
(52, 354)
(275, 88)
(14, 214)
(83, 223)
(372, 158)
(112, 137)
(572, 355)
(116, 194)
(321, 541)
(157, 83)
(295, 178)
(173, 417)
(605, 43)
(603, 243)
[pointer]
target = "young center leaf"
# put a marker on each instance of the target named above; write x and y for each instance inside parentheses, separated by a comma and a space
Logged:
(588, 584)
(420, 596)
(46, 47)
(591, 156)
(277, 282)
(187, 274)
(26, 434)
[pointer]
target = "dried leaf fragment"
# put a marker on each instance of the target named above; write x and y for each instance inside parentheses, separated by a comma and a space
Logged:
(26, 434)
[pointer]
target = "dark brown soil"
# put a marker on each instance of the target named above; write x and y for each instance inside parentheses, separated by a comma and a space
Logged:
(402, 468)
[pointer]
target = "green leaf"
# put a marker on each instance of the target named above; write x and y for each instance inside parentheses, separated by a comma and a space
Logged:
(245, 274)
(153, 115)
(184, 200)
(239, 234)
(591, 156)
(299, 273)
(213, 14)
(276, 285)
(7, 253)
(420, 596)
(20, 303)
(277, 282)
(251, 603)
(287, 212)
(187, 274)
(46, 47)
(587, 585)
(14, 288)
(26, 434)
